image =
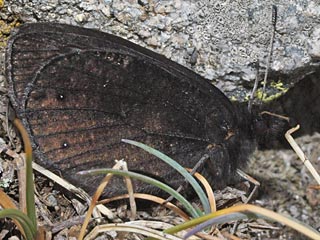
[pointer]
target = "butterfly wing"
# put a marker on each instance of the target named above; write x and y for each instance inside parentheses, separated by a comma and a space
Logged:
(80, 91)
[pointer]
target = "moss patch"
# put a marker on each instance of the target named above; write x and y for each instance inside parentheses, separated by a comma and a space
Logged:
(275, 90)
(5, 29)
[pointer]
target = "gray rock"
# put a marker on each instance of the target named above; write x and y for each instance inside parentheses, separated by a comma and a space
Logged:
(229, 36)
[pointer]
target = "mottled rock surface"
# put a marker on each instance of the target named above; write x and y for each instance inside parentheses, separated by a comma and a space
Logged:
(220, 40)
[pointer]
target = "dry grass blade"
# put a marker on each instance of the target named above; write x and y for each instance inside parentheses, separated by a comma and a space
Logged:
(208, 189)
(96, 196)
(300, 153)
(152, 198)
(127, 227)
(21, 171)
(77, 191)
(133, 205)
(275, 115)
(5, 201)
(19, 160)
(316, 187)
(250, 211)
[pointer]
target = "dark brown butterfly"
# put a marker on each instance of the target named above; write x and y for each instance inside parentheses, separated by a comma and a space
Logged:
(80, 91)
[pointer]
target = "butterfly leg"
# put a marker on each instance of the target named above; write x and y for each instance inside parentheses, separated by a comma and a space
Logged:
(199, 165)
(248, 199)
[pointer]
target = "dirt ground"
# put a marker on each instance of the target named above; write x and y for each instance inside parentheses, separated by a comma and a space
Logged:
(285, 183)
(285, 188)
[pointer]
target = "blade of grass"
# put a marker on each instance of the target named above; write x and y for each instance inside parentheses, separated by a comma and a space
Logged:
(208, 189)
(202, 196)
(192, 211)
(221, 219)
(25, 222)
(95, 198)
(31, 209)
(124, 227)
(5, 202)
(251, 211)
(149, 197)
(71, 188)
(300, 153)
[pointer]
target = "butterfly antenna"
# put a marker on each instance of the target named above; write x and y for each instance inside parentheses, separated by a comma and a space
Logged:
(274, 22)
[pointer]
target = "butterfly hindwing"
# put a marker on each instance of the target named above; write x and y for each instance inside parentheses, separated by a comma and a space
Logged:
(80, 91)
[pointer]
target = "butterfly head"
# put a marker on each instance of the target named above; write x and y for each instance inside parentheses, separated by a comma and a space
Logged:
(270, 128)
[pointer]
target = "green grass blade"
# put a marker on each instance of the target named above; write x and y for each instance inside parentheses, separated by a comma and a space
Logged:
(198, 189)
(30, 202)
(25, 222)
(251, 212)
(221, 219)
